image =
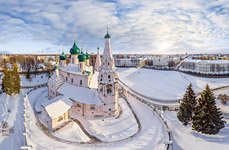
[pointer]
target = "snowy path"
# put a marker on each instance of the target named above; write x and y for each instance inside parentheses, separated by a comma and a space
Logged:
(15, 118)
(150, 137)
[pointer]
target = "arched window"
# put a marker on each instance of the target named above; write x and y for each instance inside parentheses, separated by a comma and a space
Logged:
(66, 78)
(101, 89)
(109, 76)
(109, 89)
(80, 82)
(72, 80)
(108, 63)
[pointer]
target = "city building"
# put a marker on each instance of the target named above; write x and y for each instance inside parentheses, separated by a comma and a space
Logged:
(129, 62)
(211, 67)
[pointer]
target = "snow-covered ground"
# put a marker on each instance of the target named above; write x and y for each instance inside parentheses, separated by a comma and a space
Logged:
(14, 118)
(72, 132)
(223, 107)
(111, 128)
(185, 138)
(165, 85)
(35, 80)
(151, 136)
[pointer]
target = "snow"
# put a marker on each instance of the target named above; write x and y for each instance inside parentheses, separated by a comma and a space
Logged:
(14, 118)
(151, 136)
(111, 128)
(75, 69)
(223, 107)
(36, 80)
(165, 85)
(94, 80)
(3, 107)
(71, 132)
(79, 94)
(60, 103)
(186, 138)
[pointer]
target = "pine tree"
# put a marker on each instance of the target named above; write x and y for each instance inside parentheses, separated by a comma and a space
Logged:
(187, 106)
(8, 81)
(207, 117)
(11, 83)
(16, 79)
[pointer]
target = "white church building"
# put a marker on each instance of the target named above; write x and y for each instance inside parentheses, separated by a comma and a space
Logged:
(91, 90)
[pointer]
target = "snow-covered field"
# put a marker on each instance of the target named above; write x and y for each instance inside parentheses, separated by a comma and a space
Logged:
(165, 85)
(35, 80)
(185, 138)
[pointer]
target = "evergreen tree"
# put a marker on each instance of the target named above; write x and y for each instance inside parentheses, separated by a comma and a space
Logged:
(187, 106)
(8, 81)
(207, 117)
(16, 79)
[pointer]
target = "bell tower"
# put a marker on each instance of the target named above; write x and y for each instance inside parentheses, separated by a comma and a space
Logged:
(108, 81)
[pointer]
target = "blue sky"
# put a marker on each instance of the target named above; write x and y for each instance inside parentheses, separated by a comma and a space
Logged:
(171, 26)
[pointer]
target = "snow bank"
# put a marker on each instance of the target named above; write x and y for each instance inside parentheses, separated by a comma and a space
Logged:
(71, 132)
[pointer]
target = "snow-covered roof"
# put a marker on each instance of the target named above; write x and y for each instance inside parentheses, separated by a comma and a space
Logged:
(207, 61)
(80, 94)
(57, 106)
(56, 80)
(75, 69)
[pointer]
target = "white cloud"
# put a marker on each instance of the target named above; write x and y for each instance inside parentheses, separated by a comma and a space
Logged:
(149, 26)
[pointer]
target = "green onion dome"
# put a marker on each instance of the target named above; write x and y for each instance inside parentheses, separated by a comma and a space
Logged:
(107, 36)
(87, 56)
(82, 57)
(75, 49)
(62, 56)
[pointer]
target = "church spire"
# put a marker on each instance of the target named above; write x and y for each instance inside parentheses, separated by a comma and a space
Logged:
(107, 36)
(98, 60)
(57, 69)
(107, 53)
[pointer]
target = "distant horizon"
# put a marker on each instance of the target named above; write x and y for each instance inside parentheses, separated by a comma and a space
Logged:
(68, 53)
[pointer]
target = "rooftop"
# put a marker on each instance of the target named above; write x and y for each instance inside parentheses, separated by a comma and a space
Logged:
(60, 103)
(75, 69)
(80, 94)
